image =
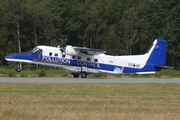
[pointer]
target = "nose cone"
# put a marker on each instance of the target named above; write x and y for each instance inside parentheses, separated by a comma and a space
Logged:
(10, 56)
(17, 56)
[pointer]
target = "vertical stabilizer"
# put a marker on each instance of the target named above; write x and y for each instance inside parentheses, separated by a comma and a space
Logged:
(157, 53)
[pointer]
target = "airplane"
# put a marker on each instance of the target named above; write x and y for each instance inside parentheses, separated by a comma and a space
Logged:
(83, 61)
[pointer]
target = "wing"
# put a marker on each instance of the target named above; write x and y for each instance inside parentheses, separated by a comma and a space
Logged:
(89, 50)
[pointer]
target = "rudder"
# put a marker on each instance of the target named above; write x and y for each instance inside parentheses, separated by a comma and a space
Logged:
(157, 54)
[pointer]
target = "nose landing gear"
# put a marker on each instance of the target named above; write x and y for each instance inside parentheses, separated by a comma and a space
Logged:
(18, 67)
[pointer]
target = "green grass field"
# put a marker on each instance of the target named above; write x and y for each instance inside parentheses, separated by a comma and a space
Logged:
(50, 101)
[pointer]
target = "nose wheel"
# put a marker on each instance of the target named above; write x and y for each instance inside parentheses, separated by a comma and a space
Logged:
(18, 67)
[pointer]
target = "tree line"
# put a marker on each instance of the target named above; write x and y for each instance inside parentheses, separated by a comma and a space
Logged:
(123, 27)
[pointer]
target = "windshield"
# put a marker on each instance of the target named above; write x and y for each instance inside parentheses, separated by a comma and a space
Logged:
(34, 50)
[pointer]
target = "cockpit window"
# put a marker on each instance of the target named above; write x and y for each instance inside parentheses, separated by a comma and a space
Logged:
(34, 50)
(37, 51)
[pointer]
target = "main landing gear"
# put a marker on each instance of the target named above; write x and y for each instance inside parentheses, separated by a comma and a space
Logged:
(83, 74)
(18, 67)
(75, 75)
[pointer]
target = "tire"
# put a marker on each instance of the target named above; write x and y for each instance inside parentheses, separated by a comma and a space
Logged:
(83, 74)
(75, 75)
(18, 69)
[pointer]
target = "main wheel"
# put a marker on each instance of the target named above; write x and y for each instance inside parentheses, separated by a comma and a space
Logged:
(83, 74)
(75, 75)
(18, 69)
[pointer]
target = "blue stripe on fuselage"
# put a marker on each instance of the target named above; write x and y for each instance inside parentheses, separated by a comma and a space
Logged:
(88, 64)
(24, 56)
(111, 68)
(146, 68)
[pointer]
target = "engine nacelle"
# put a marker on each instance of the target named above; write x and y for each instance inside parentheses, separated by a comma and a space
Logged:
(71, 51)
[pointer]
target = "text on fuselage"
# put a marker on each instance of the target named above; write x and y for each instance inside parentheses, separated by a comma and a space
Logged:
(56, 59)
(88, 64)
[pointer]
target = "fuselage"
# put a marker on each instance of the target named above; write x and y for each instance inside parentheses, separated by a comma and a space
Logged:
(95, 63)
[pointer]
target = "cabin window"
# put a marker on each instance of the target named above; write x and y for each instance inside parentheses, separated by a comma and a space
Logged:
(95, 60)
(88, 59)
(50, 54)
(63, 55)
(79, 57)
(73, 57)
(55, 54)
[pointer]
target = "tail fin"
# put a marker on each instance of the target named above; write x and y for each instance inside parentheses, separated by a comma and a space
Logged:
(157, 53)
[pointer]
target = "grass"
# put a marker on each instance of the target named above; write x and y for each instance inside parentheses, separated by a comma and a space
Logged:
(41, 101)
(34, 73)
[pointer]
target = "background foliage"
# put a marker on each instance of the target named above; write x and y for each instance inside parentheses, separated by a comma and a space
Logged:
(118, 26)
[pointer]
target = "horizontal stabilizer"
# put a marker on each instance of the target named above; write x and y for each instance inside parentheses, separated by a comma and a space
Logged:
(166, 67)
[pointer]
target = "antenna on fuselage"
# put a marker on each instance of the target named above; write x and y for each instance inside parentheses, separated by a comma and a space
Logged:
(117, 54)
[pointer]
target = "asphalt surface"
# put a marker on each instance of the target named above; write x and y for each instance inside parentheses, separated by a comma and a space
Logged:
(88, 80)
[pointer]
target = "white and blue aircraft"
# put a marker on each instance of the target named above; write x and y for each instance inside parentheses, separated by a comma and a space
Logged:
(83, 61)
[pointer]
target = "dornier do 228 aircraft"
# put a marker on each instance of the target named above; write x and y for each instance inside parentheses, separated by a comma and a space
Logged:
(83, 61)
